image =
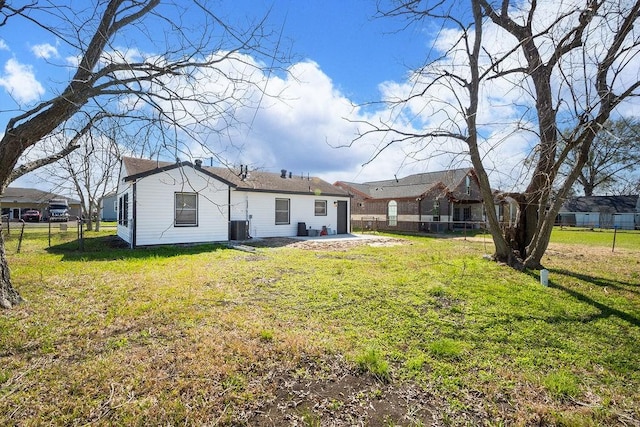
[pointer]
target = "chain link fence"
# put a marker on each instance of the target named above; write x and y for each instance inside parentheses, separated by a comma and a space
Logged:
(21, 235)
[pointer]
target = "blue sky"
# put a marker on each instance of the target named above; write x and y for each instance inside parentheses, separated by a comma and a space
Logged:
(356, 49)
(342, 56)
(342, 43)
(345, 49)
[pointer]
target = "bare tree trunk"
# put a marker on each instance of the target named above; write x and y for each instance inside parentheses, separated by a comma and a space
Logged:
(588, 189)
(9, 297)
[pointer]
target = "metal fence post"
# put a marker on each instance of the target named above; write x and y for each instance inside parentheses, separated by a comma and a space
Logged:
(80, 224)
(21, 235)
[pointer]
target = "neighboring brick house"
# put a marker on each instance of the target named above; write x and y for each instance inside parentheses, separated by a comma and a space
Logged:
(434, 201)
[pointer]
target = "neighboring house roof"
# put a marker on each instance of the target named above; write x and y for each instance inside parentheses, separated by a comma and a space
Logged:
(31, 195)
(617, 204)
(253, 181)
(412, 186)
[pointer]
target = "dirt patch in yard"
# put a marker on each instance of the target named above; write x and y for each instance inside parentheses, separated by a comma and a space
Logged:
(330, 393)
(328, 244)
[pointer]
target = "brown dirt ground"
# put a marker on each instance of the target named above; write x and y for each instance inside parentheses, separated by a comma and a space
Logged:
(343, 244)
(329, 392)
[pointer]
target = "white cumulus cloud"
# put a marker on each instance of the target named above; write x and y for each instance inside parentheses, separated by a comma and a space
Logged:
(45, 51)
(20, 82)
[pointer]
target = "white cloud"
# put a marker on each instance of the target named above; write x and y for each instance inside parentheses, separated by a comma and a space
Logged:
(20, 82)
(45, 51)
(73, 61)
(3, 45)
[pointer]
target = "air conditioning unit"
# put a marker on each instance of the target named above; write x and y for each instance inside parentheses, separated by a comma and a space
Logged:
(239, 230)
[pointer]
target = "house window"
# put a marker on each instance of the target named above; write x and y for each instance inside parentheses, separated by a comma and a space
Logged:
(456, 214)
(436, 210)
(466, 213)
(186, 210)
(282, 211)
(467, 183)
(123, 210)
(393, 213)
(321, 207)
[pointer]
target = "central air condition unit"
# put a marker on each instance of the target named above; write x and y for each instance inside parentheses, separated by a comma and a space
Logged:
(239, 230)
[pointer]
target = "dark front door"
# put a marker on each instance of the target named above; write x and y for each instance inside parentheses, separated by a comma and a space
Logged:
(342, 218)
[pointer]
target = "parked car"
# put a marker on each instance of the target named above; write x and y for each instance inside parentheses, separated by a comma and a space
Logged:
(32, 215)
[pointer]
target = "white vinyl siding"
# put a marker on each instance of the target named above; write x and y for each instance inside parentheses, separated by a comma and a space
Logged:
(155, 216)
(124, 214)
(258, 209)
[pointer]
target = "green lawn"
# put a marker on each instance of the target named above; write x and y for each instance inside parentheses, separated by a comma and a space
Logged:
(211, 335)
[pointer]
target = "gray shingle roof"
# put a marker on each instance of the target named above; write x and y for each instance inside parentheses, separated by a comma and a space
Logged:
(412, 185)
(254, 180)
(618, 204)
(31, 195)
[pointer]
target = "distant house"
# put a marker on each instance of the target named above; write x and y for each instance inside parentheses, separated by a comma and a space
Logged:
(15, 201)
(108, 207)
(433, 201)
(173, 203)
(621, 212)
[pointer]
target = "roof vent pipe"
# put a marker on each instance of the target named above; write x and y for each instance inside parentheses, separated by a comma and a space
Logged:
(290, 175)
(283, 173)
(198, 163)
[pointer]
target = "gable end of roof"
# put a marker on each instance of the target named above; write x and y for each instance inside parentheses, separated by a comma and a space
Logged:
(168, 167)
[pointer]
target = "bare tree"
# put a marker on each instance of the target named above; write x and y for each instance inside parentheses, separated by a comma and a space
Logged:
(195, 75)
(613, 161)
(558, 65)
(90, 172)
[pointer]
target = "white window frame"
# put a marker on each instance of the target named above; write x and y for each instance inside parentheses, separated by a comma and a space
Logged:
(392, 213)
(181, 222)
(281, 211)
(322, 204)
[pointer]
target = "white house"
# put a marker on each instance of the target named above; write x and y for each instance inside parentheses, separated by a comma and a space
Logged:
(171, 203)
